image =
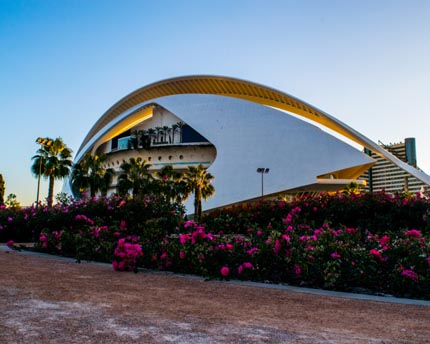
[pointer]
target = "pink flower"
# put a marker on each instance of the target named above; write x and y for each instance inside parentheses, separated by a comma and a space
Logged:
(225, 271)
(259, 232)
(10, 244)
(335, 255)
(252, 250)
(384, 240)
(317, 232)
(297, 270)
(276, 247)
(411, 275)
(80, 217)
(304, 238)
(123, 225)
(121, 265)
(248, 265)
(181, 254)
(336, 233)
(229, 247)
(183, 238)
(240, 269)
(375, 253)
(288, 219)
(188, 224)
(413, 233)
(351, 230)
(9, 219)
(286, 238)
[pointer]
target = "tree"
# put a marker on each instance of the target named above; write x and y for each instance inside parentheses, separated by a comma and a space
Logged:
(180, 127)
(352, 188)
(173, 132)
(90, 173)
(198, 180)
(166, 133)
(12, 202)
(152, 135)
(170, 184)
(135, 177)
(52, 162)
(2, 189)
(158, 134)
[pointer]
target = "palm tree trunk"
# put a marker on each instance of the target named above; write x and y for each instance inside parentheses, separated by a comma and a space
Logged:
(51, 191)
(197, 205)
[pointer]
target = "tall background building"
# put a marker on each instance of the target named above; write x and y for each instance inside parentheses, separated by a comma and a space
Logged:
(385, 175)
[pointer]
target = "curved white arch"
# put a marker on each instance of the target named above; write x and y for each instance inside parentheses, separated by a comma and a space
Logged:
(246, 136)
(235, 88)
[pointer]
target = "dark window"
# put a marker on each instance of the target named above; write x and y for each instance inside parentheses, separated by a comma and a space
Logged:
(189, 135)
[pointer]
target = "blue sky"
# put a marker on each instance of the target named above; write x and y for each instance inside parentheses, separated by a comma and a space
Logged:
(64, 63)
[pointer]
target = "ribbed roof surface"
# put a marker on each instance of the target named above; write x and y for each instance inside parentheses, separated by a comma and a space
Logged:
(241, 89)
(217, 85)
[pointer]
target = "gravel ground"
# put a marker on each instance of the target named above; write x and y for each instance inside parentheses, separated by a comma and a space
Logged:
(54, 300)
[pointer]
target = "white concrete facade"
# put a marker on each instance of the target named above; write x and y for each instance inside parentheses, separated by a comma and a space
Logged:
(247, 131)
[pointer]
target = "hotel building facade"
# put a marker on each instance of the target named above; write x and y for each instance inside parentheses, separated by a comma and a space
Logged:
(387, 176)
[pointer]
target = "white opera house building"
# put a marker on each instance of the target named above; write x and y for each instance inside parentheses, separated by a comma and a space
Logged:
(234, 128)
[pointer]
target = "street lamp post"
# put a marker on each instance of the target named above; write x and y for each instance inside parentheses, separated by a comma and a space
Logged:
(263, 171)
(43, 143)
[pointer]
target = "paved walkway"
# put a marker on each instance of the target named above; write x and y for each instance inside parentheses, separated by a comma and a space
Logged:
(289, 288)
(48, 299)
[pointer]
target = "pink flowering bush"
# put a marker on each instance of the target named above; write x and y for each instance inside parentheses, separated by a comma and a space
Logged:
(126, 255)
(365, 243)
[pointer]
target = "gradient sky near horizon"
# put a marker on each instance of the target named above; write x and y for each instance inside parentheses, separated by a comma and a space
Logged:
(63, 63)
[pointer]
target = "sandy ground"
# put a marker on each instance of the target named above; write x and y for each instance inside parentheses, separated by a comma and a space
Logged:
(51, 300)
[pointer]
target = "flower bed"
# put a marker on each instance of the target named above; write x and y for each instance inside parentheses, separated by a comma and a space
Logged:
(367, 243)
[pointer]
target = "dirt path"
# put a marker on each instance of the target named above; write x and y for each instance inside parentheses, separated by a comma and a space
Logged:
(50, 300)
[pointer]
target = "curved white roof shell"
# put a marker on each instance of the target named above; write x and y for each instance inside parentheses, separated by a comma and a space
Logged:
(248, 125)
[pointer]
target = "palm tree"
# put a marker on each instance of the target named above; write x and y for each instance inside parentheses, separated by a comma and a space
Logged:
(2, 189)
(166, 131)
(170, 183)
(173, 131)
(198, 180)
(90, 173)
(151, 134)
(352, 188)
(136, 177)
(52, 162)
(180, 127)
(159, 132)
